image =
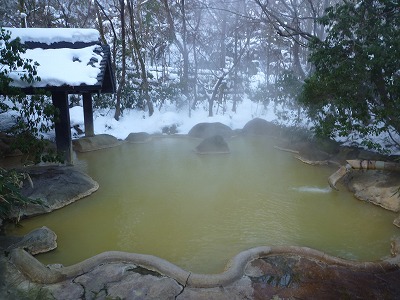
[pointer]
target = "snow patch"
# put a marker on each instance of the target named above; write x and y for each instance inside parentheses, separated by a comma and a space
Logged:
(54, 35)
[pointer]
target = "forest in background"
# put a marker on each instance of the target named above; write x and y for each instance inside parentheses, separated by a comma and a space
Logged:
(190, 52)
(213, 53)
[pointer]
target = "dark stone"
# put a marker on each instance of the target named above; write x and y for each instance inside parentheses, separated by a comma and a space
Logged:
(213, 144)
(96, 142)
(78, 130)
(172, 129)
(56, 187)
(309, 278)
(138, 137)
(37, 241)
(259, 126)
(205, 130)
(127, 281)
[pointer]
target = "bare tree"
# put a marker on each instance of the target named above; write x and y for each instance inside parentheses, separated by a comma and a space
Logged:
(220, 79)
(182, 46)
(296, 21)
(122, 79)
(138, 52)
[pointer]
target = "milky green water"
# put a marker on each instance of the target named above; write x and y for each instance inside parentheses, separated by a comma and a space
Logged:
(198, 211)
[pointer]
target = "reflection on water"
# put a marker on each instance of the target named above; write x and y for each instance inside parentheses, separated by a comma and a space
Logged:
(313, 189)
(198, 211)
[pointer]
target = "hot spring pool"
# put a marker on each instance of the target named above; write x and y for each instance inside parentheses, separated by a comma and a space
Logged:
(198, 211)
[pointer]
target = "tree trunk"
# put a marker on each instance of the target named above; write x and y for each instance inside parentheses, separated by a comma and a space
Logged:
(222, 41)
(181, 46)
(235, 74)
(185, 55)
(143, 72)
(100, 24)
(123, 71)
(195, 76)
(195, 60)
(21, 8)
(222, 77)
(215, 93)
(298, 69)
(114, 48)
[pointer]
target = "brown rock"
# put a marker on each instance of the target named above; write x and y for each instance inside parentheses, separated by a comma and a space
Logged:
(138, 137)
(259, 126)
(96, 142)
(377, 187)
(396, 221)
(395, 246)
(37, 241)
(205, 130)
(212, 145)
(56, 187)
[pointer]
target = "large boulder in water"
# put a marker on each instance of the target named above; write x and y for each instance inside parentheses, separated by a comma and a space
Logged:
(56, 187)
(205, 130)
(377, 187)
(213, 145)
(259, 126)
(138, 137)
(96, 142)
(37, 241)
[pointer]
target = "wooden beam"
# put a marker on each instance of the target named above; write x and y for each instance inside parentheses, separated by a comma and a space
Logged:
(63, 126)
(88, 114)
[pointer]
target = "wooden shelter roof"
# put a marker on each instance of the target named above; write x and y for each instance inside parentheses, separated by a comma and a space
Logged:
(70, 60)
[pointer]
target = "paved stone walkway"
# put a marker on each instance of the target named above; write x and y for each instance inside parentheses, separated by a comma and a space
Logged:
(259, 273)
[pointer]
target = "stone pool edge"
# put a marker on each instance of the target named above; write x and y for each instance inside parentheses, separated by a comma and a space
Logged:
(39, 273)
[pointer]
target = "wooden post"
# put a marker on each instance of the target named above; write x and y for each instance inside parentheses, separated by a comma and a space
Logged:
(63, 126)
(88, 114)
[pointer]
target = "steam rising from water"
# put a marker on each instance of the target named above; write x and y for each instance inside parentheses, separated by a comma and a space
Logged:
(199, 211)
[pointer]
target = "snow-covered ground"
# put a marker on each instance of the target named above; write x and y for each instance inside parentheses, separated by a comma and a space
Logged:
(139, 121)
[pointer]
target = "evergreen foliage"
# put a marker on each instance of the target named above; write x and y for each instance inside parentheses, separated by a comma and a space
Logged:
(35, 113)
(11, 182)
(356, 84)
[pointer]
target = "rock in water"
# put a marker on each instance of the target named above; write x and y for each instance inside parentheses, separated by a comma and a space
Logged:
(97, 142)
(56, 187)
(138, 137)
(39, 240)
(377, 187)
(212, 145)
(259, 126)
(205, 130)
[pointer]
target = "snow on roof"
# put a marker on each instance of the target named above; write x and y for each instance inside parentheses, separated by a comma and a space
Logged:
(69, 65)
(54, 35)
(63, 66)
